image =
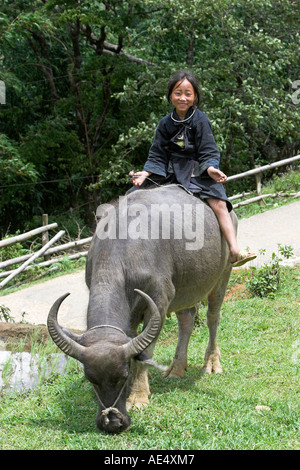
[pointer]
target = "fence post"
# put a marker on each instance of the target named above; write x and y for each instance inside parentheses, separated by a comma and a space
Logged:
(45, 235)
(258, 177)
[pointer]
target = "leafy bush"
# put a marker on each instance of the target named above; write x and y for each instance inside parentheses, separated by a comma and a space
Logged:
(12, 251)
(5, 315)
(288, 182)
(265, 281)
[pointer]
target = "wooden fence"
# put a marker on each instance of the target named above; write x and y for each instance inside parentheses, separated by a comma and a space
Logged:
(46, 251)
(257, 172)
(28, 259)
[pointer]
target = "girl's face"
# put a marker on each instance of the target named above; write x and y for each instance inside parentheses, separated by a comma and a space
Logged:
(183, 97)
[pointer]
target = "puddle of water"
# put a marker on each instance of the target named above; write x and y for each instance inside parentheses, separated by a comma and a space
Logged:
(23, 371)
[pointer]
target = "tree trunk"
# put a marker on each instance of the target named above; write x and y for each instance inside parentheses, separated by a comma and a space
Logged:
(191, 51)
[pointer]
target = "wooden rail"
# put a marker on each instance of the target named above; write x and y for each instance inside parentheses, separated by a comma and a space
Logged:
(31, 259)
(26, 260)
(26, 236)
(50, 251)
(260, 169)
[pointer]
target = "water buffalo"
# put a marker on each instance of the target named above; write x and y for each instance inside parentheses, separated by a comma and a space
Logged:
(155, 251)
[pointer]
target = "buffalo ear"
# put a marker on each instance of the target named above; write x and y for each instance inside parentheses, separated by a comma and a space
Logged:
(145, 359)
(141, 357)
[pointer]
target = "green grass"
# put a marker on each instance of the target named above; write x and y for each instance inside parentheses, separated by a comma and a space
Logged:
(260, 346)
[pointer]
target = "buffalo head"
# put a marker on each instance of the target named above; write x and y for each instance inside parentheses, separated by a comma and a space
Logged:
(107, 361)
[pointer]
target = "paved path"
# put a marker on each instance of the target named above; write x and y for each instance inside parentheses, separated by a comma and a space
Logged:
(266, 230)
(36, 301)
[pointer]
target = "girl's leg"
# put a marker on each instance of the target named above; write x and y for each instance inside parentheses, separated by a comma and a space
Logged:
(220, 209)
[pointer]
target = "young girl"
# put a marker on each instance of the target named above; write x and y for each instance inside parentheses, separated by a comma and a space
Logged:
(184, 151)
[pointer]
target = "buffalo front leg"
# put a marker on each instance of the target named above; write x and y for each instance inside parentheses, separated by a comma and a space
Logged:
(185, 320)
(140, 390)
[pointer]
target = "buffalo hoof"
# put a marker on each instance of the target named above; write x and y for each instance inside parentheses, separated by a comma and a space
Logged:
(176, 370)
(212, 365)
(210, 370)
(137, 400)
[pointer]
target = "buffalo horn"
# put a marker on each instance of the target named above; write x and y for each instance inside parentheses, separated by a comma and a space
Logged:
(59, 335)
(142, 341)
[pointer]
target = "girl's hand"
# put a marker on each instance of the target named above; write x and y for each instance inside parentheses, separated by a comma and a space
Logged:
(216, 175)
(139, 177)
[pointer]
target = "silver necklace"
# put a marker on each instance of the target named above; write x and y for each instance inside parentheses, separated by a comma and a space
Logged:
(183, 120)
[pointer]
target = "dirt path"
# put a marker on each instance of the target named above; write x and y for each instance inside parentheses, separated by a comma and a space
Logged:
(262, 231)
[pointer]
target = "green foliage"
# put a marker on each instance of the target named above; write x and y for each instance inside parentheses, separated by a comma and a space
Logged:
(288, 182)
(86, 81)
(66, 265)
(265, 281)
(12, 167)
(5, 315)
(12, 251)
(17, 196)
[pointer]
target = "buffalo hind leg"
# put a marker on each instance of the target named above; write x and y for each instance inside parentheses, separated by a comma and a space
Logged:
(185, 320)
(212, 355)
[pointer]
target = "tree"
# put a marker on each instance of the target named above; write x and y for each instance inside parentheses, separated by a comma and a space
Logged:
(16, 195)
(67, 42)
(86, 83)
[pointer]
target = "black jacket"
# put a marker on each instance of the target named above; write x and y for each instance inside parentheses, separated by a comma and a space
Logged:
(186, 148)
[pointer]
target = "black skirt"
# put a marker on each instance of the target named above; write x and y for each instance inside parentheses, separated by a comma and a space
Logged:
(204, 187)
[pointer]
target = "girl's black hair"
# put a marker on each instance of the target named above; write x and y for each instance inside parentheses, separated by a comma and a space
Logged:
(179, 77)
